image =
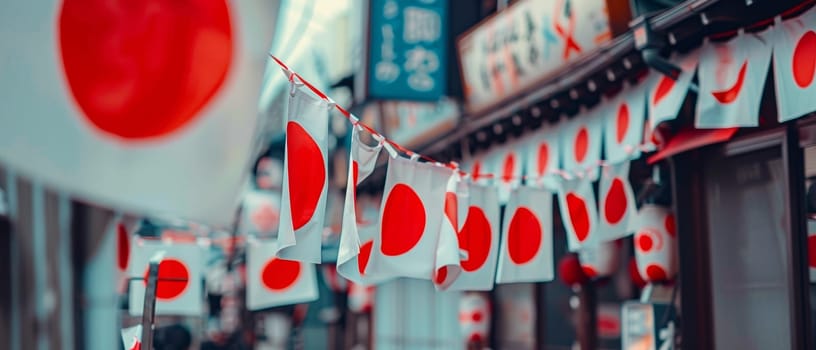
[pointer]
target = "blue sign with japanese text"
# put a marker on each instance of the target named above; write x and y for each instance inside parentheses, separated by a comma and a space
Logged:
(407, 54)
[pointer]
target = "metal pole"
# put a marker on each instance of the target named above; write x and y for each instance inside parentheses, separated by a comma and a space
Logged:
(149, 311)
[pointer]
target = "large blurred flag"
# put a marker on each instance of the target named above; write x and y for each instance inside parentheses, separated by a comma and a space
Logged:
(147, 106)
(794, 60)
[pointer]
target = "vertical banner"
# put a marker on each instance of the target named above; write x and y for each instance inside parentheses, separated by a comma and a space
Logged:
(732, 77)
(526, 253)
(272, 281)
(447, 266)
(623, 130)
(666, 95)
(542, 156)
(179, 288)
(479, 240)
(407, 56)
(506, 165)
(354, 252)
(305, 179)
(579, 213)
(617, 202)
(260, 214)
(581, 143)
(410, 218)
(794, 42)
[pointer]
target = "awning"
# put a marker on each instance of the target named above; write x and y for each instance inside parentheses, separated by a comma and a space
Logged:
(690, 138)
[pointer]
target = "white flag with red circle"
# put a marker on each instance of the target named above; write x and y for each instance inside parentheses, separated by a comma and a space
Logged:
(179, 287)
(625, 115)
(155, 115)
(526, 252)
(542, 159)
(410, 218)
(272, 281)
(132, 337)
(665, 95)
(355, 250)
(617, 202)
(794, 57)
(260, 214)
(447, 261)
(579, 213)
(478, 171)
(581, 143)
(732, 77)
(656, 243)
(479, 240)
(305, 180)
(600, 260)
(506, 165)
(811, 249)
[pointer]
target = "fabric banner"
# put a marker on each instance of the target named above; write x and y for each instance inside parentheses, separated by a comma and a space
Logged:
(794, 49)
(305, 179)
(479, 240)
(542, 159)
(617, 202)
(624, 117)
(478, 171)
(132, 337)
(355, 248)
(260, 213)
(732, 77)
(581, 143)
(134, 122)
(410, 217)
(446, 265)
(666, 95)
(507, 167)
(526, 253)
(579, 213)
(272, 281)
(179, 289)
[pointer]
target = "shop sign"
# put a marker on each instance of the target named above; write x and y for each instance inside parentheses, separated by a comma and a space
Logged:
(413, 123)
(524, 43)
(407, 55)
(644, 327)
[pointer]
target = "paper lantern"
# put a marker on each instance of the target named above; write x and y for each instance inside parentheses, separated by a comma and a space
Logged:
(570, 271)
(474, 317)
(656, 243)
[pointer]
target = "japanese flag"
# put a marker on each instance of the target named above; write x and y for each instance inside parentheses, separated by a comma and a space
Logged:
(600, 260)
(506, 167)
(132, 337)
(305, 179)
(581, 144)
(479, 240)
(812, 249)
(260, 214)
(272, 281)
(617, 204)
(794, 54)
(732, 77)
(410, 219)
(623, 132)
(478, 171)
(665, 95)
(447, 265)
(579, 213)
(542, 159)
(154, 115)
(526, 253)
(655, 243)
(354, 250)
(179, 287)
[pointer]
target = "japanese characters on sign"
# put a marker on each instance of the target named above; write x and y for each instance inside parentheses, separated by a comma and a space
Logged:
(525, 42)
(407, 51)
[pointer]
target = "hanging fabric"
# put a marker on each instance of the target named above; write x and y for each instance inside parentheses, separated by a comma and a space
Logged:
(526, 252)
(794, 42)
(272, 281)
(479, 240)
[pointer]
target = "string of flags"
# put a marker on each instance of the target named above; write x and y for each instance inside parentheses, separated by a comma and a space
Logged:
(442, 222)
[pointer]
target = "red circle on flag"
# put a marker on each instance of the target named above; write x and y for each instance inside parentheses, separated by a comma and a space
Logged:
(365, 254)
(475, 239)
(523, 236)
(403, 221)
(543, 158)
(578, 216)
(812, 251)
(278, 274)
(307, 174)
(615, 202)
(656, 273)
(151, 66)
(663, 88)
(173, 279)
(509, 167)
(671, 229)
(804, 59)
(123, 246)
(623, 123)
(581, 144)
(441, 275)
